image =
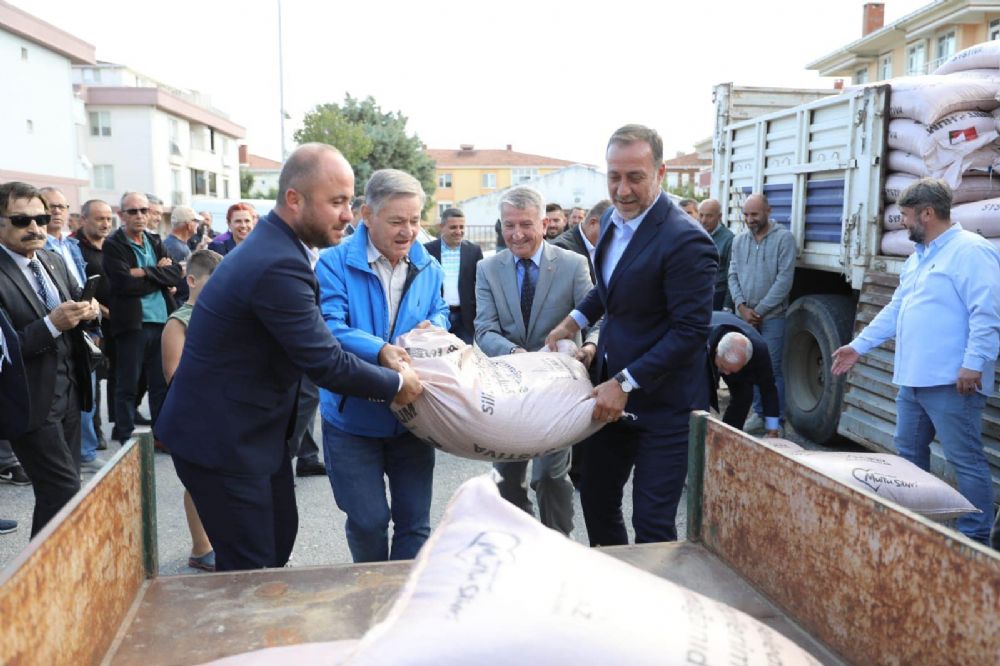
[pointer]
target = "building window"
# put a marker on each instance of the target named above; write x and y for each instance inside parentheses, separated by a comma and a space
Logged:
(916, 59)
(444, 180)
(211, 139)
(489, 181)
(213, 189)
(198, 137)
(100, 123)
(30, 126)
(175, 137)
(225, 188)
(24, 53)
(994, 31)
(91, 75)
(945, 48)
(861, 76)
(199, 183)
(523, 175)
(177, 193)
(885, 67)
(103, 177)
(442, 207)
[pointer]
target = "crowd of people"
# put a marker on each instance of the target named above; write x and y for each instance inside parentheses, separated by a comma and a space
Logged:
(297, 312)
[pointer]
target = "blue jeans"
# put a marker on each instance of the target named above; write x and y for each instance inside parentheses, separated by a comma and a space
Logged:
(957, 419)
(88, 435)
(773, 332)
(358, 467)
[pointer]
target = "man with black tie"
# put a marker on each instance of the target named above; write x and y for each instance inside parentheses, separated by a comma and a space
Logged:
(37, 295)
(656, 271)
(458, 258)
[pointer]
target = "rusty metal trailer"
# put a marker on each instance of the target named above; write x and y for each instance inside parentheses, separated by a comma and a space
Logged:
(846, 575)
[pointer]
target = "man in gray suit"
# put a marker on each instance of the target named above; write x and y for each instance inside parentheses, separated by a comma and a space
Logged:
(521, 293)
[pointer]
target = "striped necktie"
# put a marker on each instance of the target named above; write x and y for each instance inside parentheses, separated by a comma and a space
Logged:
(47, 298)
(527, 290)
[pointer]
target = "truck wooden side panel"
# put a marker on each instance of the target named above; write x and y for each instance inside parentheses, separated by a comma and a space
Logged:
(876, 583)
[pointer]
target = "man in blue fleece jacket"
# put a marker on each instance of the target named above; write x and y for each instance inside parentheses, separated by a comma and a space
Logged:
(374, 288)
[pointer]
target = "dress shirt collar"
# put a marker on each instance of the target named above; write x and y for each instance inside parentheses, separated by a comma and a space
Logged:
(938, 242)
(19, 259)
(312, 253)
(374, 255)
(536, 257)
(619, 221)
(586, 241)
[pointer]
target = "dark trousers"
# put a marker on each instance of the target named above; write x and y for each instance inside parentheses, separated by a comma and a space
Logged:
(302, 444)
(458, 328)
(251, 520)
(111, 371)
(740, 401)
(137, 352)
(50, 455)
(719, 300)
(660, 467)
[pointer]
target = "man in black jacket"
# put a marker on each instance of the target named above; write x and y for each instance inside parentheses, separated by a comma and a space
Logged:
(37, 294)
(141, 276)
(458, 258)
(582, 238)
(738, 352)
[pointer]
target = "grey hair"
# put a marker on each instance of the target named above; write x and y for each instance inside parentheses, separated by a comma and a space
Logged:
(928, 193)
(733, 347)
(629, 134)
(386, 184)
(153, 199)
(182, 215)
(521, 198)
(126, 195)
(49, 189)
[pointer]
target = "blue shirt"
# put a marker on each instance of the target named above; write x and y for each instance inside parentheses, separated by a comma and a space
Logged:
(945, 314)
(536, 261)
(451, 262)
(154, 308)
(64, 247)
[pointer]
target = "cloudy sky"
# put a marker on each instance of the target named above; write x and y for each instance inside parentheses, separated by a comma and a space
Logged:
(551, 78)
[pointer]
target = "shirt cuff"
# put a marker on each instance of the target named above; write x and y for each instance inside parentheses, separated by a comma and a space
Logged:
(52, 327)
(973, 362)
(861, 346)
(580, 320)
(772, 423)
(631, 380)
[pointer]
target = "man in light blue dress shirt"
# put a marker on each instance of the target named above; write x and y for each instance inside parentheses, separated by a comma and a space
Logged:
(945, 318)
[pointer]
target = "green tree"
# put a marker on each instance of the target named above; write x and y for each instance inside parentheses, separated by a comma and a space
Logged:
(246, 183)
(370, 139)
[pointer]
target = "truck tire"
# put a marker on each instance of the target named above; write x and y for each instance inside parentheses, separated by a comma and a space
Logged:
(815, 326)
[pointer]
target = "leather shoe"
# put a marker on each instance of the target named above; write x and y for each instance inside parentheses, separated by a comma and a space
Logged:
(309, 468)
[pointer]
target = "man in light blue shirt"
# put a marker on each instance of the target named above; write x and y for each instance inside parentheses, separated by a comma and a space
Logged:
(945, 318)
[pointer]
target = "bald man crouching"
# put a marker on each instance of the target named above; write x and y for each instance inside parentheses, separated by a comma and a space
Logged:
(738, 352)
(255, 331)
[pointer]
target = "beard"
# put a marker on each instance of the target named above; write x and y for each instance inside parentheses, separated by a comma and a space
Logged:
(918, 233)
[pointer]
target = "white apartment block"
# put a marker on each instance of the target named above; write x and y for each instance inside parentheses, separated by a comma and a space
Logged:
(145, 136)
(41, 121)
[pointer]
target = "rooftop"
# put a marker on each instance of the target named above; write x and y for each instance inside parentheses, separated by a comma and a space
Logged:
(469, 156)
(19, 22)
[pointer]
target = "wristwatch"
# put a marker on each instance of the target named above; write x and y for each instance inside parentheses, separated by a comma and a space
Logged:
(624, 383)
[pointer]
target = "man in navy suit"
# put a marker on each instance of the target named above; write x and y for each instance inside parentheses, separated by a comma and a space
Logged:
(656, 272)
(459, 259)
(255, 330)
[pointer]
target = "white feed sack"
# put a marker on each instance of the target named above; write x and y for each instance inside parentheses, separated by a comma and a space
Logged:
(892, 220)
(895, 183)
(331, 653)
(893, 478)
(972, 188)
(979, 162)
(929, 98)
(982, 217)
(985, 56)
(946, 141)
(897, 243)
(512, 407)
(493, 586)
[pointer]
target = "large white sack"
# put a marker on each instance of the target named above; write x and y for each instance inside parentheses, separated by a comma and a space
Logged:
(980, 161)
(893, 218)
(784, 445)
(930, 98)
(982, 217)
(980, 56)
(897, 243)
(947, 140)
(493, 586)
(895, 183)
(893, 478)
(331, 653)
(990, 73)
(512, 407)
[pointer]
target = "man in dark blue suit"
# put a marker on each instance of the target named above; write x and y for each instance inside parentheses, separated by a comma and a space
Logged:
(255, 330)
(655, 280)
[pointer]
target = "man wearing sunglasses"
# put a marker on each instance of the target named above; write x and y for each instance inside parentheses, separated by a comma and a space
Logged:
(38, 295)
(141, 274)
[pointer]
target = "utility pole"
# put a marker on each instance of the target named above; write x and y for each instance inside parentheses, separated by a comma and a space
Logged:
(281, 84)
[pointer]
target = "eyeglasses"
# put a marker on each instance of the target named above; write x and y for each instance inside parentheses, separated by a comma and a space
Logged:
(136, 211)
(22, 221)
(58, 207)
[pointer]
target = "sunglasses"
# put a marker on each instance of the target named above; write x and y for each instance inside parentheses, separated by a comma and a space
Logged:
(136, 211)
(22, 221)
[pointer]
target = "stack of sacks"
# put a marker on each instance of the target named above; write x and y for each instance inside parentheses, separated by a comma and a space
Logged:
(945, 126)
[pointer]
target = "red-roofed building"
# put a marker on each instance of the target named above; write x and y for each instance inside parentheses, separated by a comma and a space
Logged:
(684, 170)
(470, 172)
(265, 173)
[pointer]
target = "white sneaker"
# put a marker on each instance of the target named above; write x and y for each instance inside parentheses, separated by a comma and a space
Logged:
(93, 466)
(754, 424)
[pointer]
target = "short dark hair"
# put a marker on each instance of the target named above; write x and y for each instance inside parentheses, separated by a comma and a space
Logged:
(450, 213)
(599, 209)
(579, 208)
(85, 209)
(551, 207)
(683, 203)
(928, 193)
(18, 190)
(629, 134)
(202, 263)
